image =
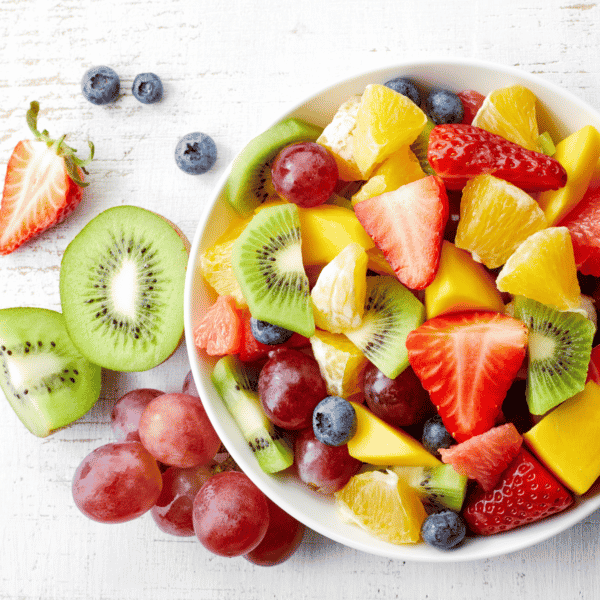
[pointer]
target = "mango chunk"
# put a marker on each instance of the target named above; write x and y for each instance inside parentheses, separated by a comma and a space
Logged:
(578, 154)
(567, 439)
(377, 443)
(461, 283)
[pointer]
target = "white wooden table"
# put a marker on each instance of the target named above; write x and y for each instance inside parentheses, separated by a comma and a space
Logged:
(227, 67)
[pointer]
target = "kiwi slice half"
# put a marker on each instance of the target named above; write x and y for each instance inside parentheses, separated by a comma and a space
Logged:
(267, 263)
(391, 312)
(249, 183)
(46, 380)
(234, 387)
(421, 145)
(559, 348)
(121, 289)
(438, 487)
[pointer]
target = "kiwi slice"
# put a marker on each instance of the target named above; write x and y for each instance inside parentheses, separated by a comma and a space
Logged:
(438, 487)
(121, 289)
(391, 312)
(46, 380)
(420, 146)
(559, 348)
(232, 383)
(267, 263)
(249, 182)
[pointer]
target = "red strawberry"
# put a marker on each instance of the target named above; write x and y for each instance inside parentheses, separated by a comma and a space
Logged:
(483, 457)
(526, 493)
(43, 185)
(407, 225)
(220, 330)
(459, 152)
(471, 101)
(594, 366)
(467, 361)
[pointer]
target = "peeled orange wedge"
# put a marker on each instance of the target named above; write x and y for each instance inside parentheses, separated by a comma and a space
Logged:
(384, 505)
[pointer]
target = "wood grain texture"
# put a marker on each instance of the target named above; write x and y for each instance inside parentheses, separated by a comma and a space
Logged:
(227, 68)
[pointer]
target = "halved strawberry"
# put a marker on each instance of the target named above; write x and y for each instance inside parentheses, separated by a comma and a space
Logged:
(220, 330)
(459, 152)
(407, 225)
(467, 361)
(471, 101)
(483, 457)
(526, 492)
(43, 185)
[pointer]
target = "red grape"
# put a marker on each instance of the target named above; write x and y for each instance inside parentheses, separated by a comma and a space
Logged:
(189, 385)
(290, 386)
(173, 509)
(305, 174)
(401, 401)
(231, 515)
(325, 468)
(281, 540)
(117, 482)
(176, 430)
(127, 411)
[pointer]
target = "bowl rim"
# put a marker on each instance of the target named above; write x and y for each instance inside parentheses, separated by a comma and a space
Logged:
(520, 538)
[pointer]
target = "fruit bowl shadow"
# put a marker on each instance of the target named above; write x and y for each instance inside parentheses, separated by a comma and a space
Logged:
(560, 113)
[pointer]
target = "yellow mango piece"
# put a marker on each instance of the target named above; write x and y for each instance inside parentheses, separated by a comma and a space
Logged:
(461, 283)
(578, 154)
(377, 443)
(567, 440)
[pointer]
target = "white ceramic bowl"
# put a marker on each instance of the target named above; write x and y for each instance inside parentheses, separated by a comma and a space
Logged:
(560, 112)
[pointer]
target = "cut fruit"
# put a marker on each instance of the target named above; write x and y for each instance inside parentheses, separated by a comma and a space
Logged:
(121, 289)
(383, 505)
(560, 346)
(386, 121)
(248, 183)
(495, 218)
(46, 380)
(341, 363)
(510, 112)
(267, 262)
(338, 296)
(420, 146)
(438, 487)
(378, 443)
(220, 329)
(271, 450)
(391, 312)
(543, 268)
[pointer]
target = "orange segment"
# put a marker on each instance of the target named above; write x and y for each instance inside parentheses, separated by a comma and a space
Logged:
(495, 217)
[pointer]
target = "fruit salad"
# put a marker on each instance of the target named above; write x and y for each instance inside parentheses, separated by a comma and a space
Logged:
(404, 310)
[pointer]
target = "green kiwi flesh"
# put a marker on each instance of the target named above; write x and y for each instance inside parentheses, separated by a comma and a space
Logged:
(267, 263)
(121, 289)
(391, 313)
(45, 379)
(438, 487)
(248, 185)
(271, 450)
(420, 146)
(559, 349)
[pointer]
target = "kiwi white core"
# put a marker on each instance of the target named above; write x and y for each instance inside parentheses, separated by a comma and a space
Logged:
(124, 294)
(24, 371)
(541, 347)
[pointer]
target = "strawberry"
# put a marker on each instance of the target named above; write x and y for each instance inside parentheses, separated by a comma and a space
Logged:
(220, 329)
(467, 361)
(459, 152)
(526, 492)
(407, 225)
(593, 373)
(483, 457)
(43, 186)
(471, 101)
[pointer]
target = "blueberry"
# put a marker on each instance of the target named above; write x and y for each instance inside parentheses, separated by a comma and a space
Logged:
(195, 153)
(436, 436)
(147, 88)
(443, 530)
(100, 85)
(334, 421)
(267, 333)
(406, 87)
(444, 106)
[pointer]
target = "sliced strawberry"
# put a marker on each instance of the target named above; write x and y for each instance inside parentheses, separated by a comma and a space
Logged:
(467, 362)
(459, 152)
(43, 186)
(485, 456)
(407, 225)
(526, 492)
(471, 101)
(220, 330)
(594, 366)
